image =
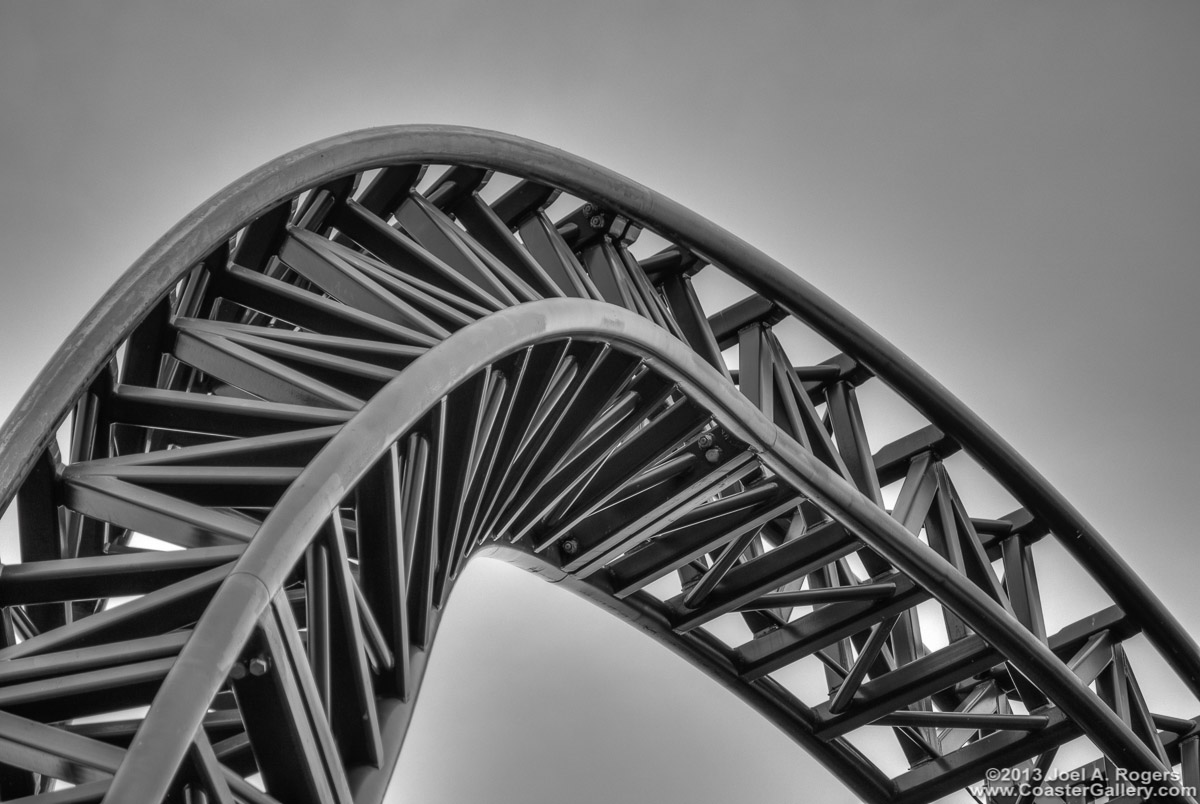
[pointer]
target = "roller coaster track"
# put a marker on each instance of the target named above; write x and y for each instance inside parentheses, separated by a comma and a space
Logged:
(245, 486)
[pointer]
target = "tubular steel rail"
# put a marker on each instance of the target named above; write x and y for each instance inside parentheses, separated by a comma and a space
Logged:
(280, 436)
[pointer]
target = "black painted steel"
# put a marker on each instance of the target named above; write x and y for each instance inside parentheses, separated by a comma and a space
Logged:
(291, 423)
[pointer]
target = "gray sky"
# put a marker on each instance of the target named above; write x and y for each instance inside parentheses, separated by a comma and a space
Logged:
(1008, 191)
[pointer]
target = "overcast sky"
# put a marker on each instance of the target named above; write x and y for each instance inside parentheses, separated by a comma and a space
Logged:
(1008, 191)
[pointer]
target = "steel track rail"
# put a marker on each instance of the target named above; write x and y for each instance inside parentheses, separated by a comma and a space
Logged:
(130, 482)
(59, 384)
(262, 570)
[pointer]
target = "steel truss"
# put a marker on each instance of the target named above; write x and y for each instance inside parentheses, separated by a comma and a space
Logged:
(285, 430)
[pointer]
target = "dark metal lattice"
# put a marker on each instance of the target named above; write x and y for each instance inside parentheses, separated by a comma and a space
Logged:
(282, 434)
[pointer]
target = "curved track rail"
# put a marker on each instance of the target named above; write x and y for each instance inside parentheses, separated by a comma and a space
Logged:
(281, 435)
